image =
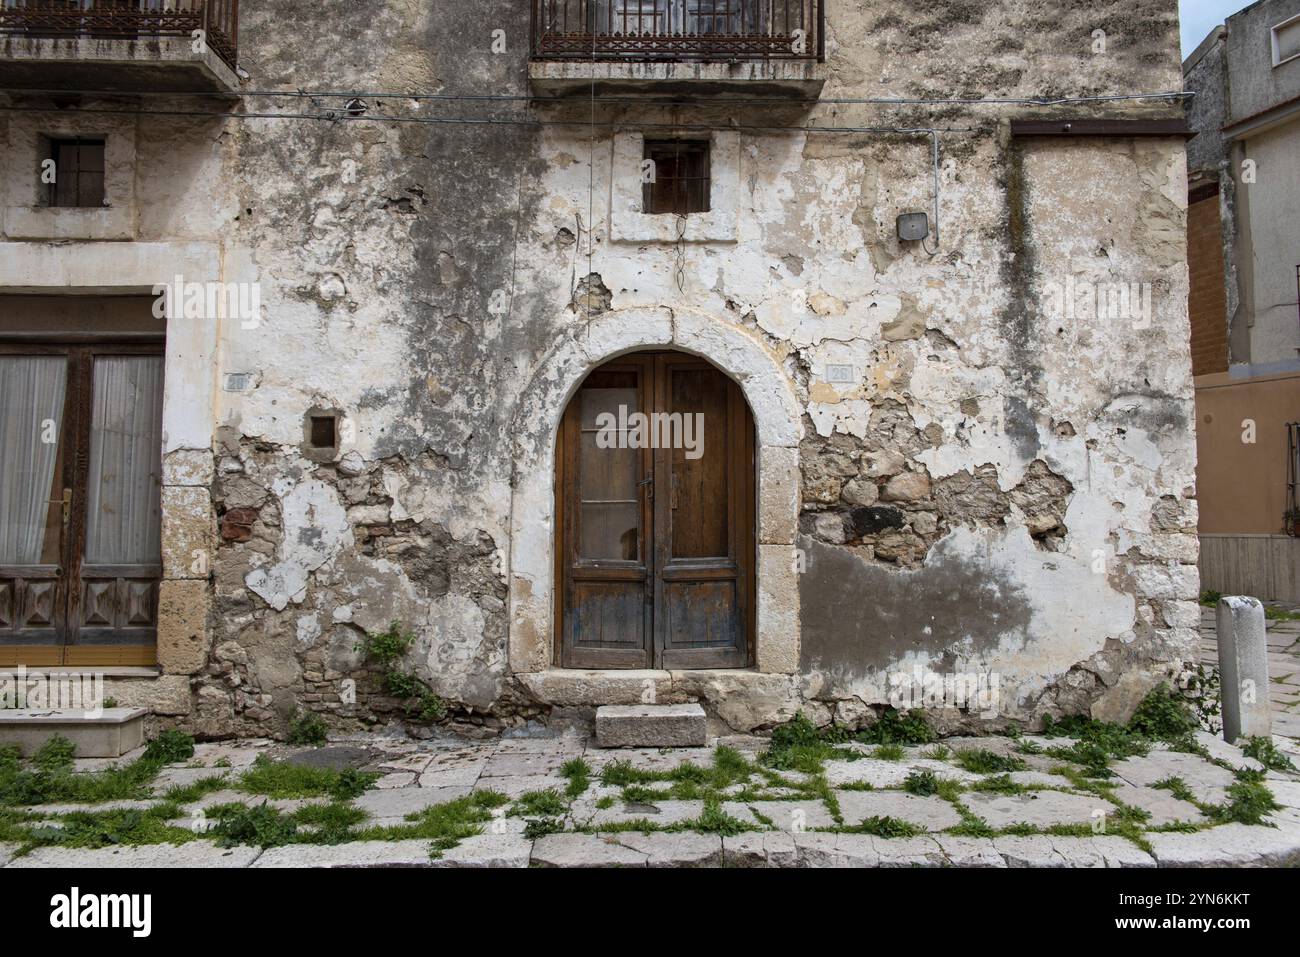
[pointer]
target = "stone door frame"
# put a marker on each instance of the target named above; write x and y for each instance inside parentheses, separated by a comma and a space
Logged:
(742, 356)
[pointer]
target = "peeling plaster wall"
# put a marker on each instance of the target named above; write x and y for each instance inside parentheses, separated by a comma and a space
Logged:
(993, 490)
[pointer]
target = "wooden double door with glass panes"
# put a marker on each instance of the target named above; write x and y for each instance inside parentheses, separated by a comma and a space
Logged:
(80, 488)
(655, 518)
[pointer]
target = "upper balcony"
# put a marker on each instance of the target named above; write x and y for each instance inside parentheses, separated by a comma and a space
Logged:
(759, 47)
(119, 45)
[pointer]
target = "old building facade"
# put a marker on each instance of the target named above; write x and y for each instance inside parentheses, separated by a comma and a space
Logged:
(447, 236)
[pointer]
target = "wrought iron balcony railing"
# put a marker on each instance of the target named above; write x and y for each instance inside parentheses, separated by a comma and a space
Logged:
(127, 19)
(672, 30)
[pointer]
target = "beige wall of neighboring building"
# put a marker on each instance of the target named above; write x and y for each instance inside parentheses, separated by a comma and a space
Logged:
(1241, 451)
(1270, 243)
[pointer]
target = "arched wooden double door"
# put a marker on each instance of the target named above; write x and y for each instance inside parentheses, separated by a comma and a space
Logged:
(655, 518)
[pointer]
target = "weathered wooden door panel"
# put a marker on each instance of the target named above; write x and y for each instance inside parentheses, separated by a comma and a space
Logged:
(34, 438)
(65, 408)
(656, 530)
(703, 526)
(605, 517)
(119, 563)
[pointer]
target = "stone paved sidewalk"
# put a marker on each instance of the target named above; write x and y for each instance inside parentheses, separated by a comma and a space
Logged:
(1283, 667)
(562, 802)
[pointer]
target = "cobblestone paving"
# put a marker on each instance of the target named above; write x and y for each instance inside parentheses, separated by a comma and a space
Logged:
(857, 812)
(1283, 667)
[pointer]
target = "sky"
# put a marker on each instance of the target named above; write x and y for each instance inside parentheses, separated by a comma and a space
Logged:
(1201, 16)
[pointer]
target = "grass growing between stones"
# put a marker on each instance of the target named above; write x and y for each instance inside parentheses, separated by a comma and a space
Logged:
(1177, 787)
(686, 782)
(446, 825)
(95, 829)
(578, 773)
(279, 779)
(1161, 717)
(546, 803)
(981, 761)
(883, 827)
(49, 777)
(189, 793)
(1266, 753)
(1249, 801)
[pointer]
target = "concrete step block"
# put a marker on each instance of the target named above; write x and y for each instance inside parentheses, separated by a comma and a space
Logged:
(651, 726)
(106, 733)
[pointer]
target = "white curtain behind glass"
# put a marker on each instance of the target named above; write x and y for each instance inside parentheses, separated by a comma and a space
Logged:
(123, 506)
(31, 416)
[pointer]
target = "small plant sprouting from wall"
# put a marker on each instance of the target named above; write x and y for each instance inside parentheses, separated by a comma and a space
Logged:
(388, 649)
(307, 727)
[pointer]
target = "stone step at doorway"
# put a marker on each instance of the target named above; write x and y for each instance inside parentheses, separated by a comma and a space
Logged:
(651, 726)
(106, 733)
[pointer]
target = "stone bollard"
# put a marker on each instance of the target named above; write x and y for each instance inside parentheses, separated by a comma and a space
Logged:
(1243, 668)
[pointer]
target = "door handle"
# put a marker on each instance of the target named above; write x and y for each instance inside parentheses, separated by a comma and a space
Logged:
(66, 502)
(649, 483)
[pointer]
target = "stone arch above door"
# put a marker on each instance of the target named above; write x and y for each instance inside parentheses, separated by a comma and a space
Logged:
(778, 420)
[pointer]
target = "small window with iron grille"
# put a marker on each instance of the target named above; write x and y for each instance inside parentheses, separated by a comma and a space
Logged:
(77, 172)
(680, 181)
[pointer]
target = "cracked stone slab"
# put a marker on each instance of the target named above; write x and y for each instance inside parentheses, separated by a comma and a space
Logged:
(567, 746)
(1034, 850)
(1163, 807)
(909, 852)
(7, 852)
(397, 779)
(663, 813)
(399, 802)
(488, 850)
(1040, 808)
(236, 757)
(1218, 748)
(416, 762)
(888, 774)
(454, 768)
(760, 849)
(193, 854)
(1206, 781)
(817, 849)
(1287, 816)
(1232, 845)
(793, 815)
(356, 854)
(1102, 850)
(864, 850)
(522, 764)
(648, 759)
(1286, 792)
(969, 851)
(585, 850)
(683, 849)
(930, 812)
(517, 787)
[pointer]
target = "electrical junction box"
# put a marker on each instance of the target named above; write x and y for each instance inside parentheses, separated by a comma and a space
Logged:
(913, 227)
